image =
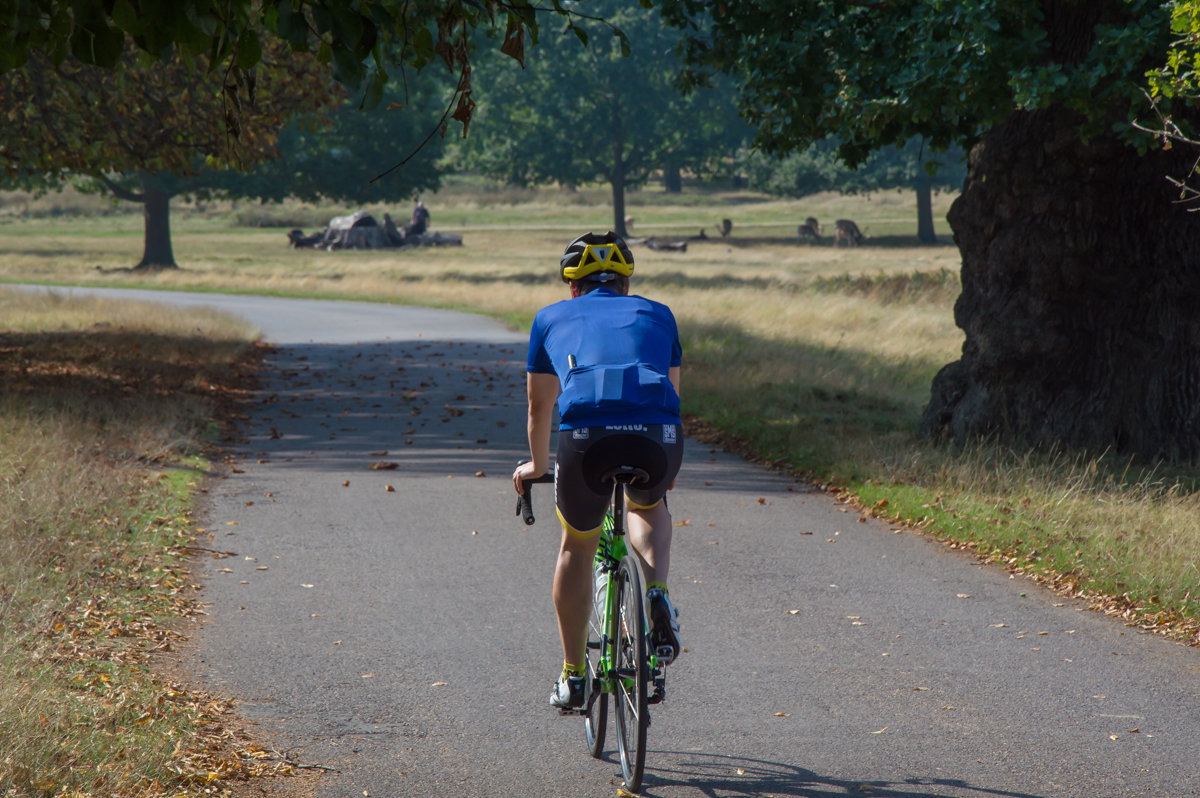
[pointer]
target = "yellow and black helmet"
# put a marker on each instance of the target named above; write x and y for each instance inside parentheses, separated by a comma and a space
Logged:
(599, 258)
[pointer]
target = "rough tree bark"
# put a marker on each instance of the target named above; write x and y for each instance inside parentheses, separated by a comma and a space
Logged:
(925, 232)
(1081, 296)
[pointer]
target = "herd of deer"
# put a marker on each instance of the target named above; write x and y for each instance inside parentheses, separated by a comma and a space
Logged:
(843, 230)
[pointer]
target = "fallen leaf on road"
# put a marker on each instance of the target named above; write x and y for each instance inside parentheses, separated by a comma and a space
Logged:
(481, 440)
(713, 543)
(261, 568)
(260, 462)
(237, 471)
(853, 617)
(881, 503)
(881, 731)
(685, 522)
(390, 489)
(920, 689)
(965, 595)
(761, 500)
(782, 715)
(998, 625)
(304, 585)
(269, 495)
(792, 612)
(1099, 696)
(1112, 736)
(408, 442)
(225, 571)
(829, 540)
(1069, 632)
(249, 504)
(1035, 649)
(439, 684)
(383, 465)
(379, 454)
(741, 772)
(474, 531)
(346, 484)
(1043, 633)
(858, 623)
(368, 676)
(231, 523)
(947, 707)
(712, 524)
(449, 476)
(708, 484)
(1135, 731)
(480, 474)
(806, 533)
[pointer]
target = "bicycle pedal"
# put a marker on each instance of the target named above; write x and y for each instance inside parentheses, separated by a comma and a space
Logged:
(571, 712)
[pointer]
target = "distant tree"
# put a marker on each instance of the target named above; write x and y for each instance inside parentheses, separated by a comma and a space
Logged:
(578, 114)
(149, 130)
(338, 159)
(819, 168)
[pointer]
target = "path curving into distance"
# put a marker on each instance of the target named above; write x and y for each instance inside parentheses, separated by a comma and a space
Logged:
(407, 638)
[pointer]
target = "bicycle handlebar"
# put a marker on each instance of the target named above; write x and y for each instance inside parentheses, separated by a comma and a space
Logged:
(524, 499)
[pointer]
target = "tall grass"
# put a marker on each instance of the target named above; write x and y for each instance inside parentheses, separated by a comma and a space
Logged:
(102, 405)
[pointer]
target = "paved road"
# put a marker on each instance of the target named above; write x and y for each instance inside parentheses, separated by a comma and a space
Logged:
(407, 638)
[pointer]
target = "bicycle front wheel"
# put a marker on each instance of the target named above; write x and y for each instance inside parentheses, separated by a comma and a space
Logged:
(599, 659)
(632, 672)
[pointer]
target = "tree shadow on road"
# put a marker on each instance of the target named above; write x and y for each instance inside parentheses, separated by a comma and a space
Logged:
(731, 777)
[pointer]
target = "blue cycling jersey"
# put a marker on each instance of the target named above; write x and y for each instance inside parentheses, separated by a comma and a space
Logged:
(623, 348)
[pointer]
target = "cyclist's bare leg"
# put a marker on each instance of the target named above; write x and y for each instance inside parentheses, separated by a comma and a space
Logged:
(650, 536)
(573, 594)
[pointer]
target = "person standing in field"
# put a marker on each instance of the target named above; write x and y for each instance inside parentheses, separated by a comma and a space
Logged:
(420, 220)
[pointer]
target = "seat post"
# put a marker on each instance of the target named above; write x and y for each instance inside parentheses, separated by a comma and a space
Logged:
(618, 508)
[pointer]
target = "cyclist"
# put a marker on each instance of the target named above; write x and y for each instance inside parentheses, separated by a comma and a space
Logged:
(611, 361)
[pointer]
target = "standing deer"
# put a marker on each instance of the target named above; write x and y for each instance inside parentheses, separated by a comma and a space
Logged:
(810, 229)
(846, 230)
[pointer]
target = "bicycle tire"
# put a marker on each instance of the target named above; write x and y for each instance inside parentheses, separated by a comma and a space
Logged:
(633, 671)
(596, 719)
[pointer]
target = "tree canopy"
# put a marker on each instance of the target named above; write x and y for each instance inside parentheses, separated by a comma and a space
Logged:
(578, 114)
(156, 125)
(875, 74)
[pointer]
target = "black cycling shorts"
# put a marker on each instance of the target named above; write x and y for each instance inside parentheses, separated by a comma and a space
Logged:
(585, 454)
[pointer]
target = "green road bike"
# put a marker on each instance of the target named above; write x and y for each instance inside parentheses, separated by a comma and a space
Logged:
(621, 661)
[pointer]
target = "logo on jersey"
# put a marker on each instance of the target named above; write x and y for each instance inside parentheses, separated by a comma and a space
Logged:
(580, 433)
(629, 427)
(668, 433)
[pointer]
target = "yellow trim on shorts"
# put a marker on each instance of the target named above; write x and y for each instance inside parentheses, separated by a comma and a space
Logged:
(637, 506)
(575, 533)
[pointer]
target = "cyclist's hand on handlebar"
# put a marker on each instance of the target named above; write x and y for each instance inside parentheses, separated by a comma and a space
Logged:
(524, 471)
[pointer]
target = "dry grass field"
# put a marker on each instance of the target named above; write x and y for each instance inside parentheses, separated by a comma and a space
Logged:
(818, 357)
(102, 410)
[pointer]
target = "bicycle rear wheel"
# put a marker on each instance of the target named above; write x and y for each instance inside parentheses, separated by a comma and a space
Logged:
(599, 653)
(633, 672)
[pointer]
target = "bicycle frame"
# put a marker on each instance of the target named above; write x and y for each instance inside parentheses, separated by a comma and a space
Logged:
(609, 552)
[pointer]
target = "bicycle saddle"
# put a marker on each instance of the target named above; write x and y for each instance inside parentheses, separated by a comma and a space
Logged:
(626, 475)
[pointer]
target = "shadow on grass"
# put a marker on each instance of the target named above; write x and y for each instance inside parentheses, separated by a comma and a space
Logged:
(800, 401)
(113, 377)
(875, 242)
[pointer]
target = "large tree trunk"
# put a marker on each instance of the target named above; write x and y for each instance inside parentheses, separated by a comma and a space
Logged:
(1081, 295)
(157, 210)
(618, 189)
(925, 233)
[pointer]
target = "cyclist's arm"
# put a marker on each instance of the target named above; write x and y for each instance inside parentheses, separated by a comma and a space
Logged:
(543, 393)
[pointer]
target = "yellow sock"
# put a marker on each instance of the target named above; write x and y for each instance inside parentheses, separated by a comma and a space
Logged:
(660, 585)
(571, 670)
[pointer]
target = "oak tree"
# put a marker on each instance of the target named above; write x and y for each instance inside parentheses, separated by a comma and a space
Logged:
(1081, 275)
(149, 130)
